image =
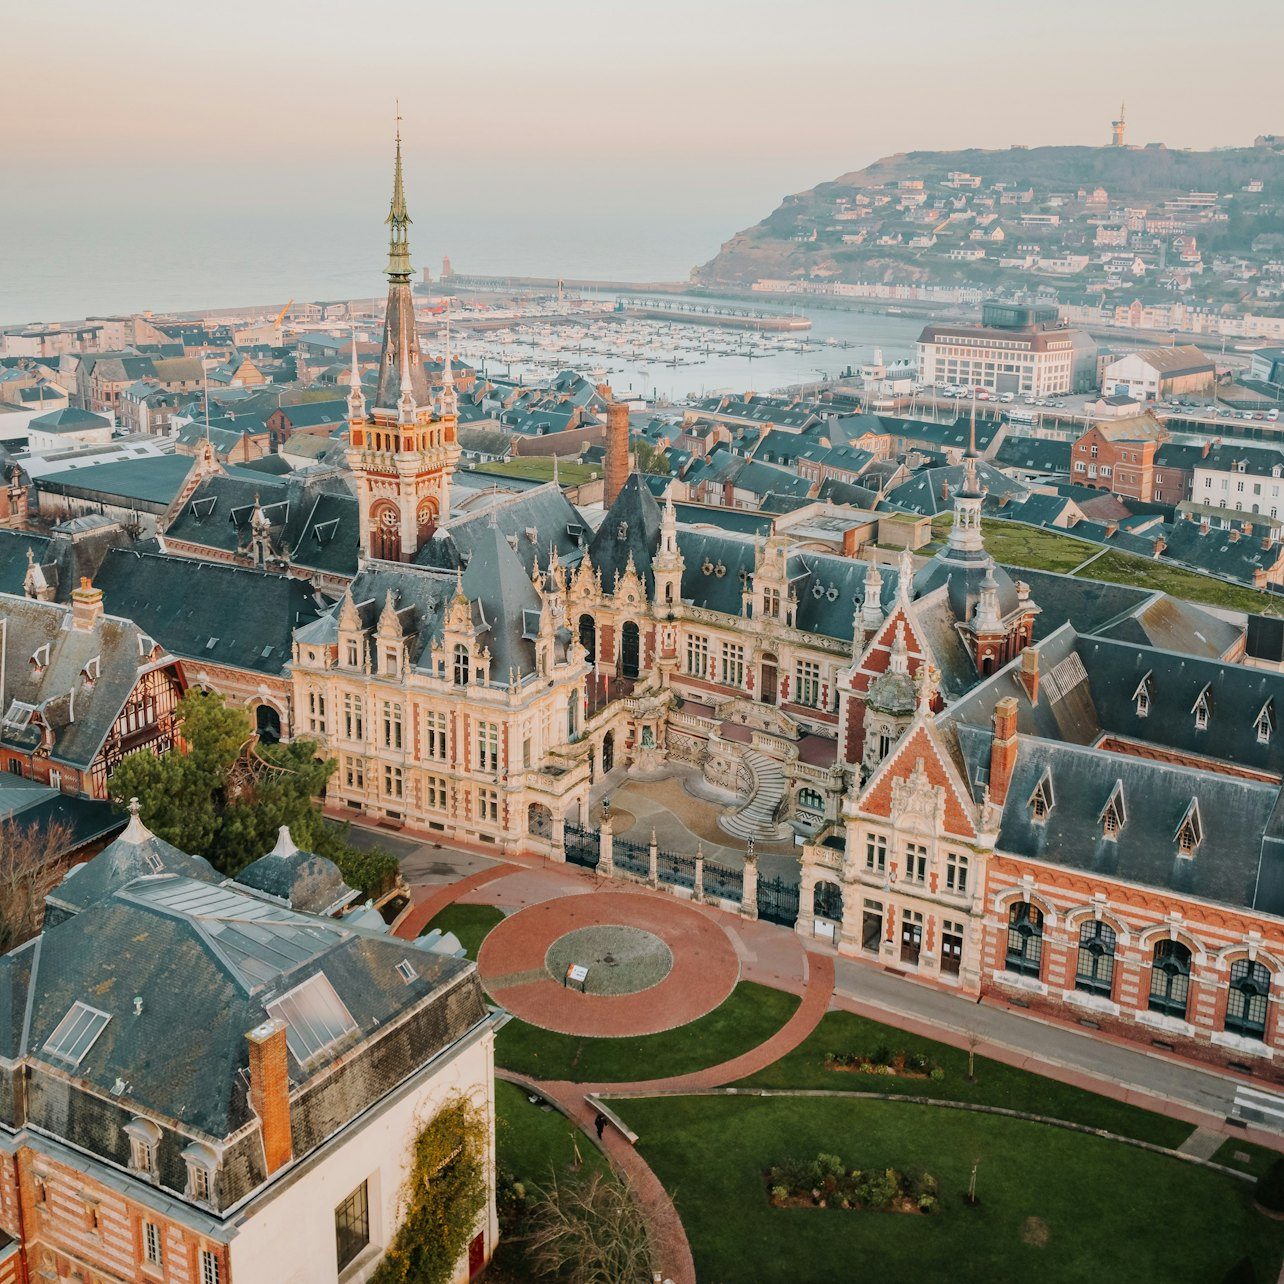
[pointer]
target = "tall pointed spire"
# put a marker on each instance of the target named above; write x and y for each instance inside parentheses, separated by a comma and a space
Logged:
(356, 394)
(449, 397)
(406, 402)
(398, 220)
(970, 486)
(400, 338)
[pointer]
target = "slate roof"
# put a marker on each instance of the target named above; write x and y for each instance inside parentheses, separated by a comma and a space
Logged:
(136, 853)
(34, 804)
(209, 611)
(1228, 456)
(1217, 553)
(538, 518)
(207, 963)
(631, 527)
(77, 709)
(302, 880)
(925, 492)
(1234, 816)
(313, 414)
(1035, 454)
(313, 521)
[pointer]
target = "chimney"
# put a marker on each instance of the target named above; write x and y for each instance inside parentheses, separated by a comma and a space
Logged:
(1160, 545)
(86, 605)
(270, 1091)
(1003, 748)
(1029, 673)
(617, 450)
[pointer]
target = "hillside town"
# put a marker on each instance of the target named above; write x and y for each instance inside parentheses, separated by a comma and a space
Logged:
(971, 664)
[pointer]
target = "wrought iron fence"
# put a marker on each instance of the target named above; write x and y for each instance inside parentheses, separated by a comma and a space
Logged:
(673, 867)
(634, 857)
(723, 881)
(583, 846)
(828, 901)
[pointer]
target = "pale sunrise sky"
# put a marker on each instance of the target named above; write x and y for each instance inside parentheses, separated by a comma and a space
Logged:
(661, 128)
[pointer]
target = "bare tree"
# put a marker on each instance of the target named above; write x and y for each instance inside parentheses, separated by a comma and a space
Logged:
(973, 1039)
(590, 1230)
(30, 861)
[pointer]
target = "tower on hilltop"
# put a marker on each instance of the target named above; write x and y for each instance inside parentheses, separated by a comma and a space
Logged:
(402, 451)
(1117, 129)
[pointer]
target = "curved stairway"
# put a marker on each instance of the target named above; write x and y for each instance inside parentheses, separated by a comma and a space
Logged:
(757, 818)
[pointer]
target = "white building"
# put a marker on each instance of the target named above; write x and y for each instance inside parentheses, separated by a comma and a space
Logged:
(1150, 374)
(1247, 480)
(222, 1082)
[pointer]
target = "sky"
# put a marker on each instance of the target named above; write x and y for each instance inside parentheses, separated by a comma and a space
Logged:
(605, 134)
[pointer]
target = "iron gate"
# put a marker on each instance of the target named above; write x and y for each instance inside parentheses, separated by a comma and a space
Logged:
(778, 901)
(673, 867)
(828, 902)
(583, 846)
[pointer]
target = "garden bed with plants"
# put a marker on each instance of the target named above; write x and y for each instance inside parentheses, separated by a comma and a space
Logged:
(904, 1065)
(826, 1182)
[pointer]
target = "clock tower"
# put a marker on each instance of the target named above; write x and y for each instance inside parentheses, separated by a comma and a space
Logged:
(403, 450)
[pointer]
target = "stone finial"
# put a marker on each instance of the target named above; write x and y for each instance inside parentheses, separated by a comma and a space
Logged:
(285, 845)
(135, 831)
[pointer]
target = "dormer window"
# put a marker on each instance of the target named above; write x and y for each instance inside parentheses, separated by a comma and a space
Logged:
(1203, 709)
(1113, 815)
(461, 666)
(40, 659)
(144, 1137)
(352, 653)
(1142, 697)
(1265, 725)
(1041, 800)
(1190, 833)
(202, 1165)
(91, 670)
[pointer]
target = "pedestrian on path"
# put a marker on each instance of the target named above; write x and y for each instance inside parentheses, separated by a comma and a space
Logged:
(600, 1124)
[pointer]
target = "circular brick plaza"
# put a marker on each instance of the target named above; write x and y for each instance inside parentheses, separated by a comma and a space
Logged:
(653, 964)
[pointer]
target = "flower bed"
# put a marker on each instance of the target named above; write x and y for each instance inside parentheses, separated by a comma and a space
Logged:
(907, 1065)
(826, 1182)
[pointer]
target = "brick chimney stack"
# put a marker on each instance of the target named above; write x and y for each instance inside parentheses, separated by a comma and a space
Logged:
(1003, 748)
(617, 450)
(86, 605)
(1030, 673)
(270, 1091)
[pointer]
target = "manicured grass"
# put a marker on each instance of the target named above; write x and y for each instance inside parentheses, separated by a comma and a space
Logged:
(530, 1141)
(1259, 1157)
(749, 1015)
(471, 923)
(538, 469)
(996, 1084)
(1055, 1206)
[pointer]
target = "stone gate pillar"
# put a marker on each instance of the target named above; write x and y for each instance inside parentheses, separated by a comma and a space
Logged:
(653, 861)
(698, 894)
(605, 860)
(749, 887)
(558, 839)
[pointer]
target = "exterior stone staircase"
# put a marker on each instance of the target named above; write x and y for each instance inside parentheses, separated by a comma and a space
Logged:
(757, 818)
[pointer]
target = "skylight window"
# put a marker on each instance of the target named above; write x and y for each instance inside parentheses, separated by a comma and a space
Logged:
(314, 1015)
(76, 1033)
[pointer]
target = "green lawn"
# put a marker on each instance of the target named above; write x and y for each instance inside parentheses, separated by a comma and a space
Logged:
(471, 923)
(996, 1084)
(529, 1140)
(1259, 1158)
(1055, 1206)
(1013, 544)
(1138, 572)
(539, 469)
(749, 1015)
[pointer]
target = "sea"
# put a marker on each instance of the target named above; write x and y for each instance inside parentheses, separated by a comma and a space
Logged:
(70, 262)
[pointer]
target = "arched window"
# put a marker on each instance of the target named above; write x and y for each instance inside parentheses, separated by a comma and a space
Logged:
(811, 800)
(1095, 970)
(461, 666)
(588, 637)
(1025, 939)
(1250, 985)
(1170, 979)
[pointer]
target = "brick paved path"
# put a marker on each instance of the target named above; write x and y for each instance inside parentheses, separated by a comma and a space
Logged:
(705, 967)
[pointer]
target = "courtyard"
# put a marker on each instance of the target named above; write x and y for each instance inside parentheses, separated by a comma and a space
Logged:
(721, 1043)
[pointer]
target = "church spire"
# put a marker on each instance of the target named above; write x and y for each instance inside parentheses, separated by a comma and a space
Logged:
(356, 394)
(398, 221)
(449, 397)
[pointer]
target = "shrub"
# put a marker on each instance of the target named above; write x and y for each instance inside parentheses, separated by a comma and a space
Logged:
(779, 1194)
(927, 1203)
(936, 1074)
(1270, 1187)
